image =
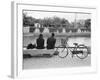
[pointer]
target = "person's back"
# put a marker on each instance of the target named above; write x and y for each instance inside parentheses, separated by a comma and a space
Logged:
(51, 42)
(40, 42)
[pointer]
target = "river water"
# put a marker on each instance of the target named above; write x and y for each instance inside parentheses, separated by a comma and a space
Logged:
(80, 40)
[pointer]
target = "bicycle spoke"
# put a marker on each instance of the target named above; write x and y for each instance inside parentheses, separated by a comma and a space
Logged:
(82, 52)
(62, 52)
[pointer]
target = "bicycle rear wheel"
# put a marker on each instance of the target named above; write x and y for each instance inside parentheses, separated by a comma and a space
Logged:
(63, 52)
(82, 52)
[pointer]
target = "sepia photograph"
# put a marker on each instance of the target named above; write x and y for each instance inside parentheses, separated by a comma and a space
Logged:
(56, 39)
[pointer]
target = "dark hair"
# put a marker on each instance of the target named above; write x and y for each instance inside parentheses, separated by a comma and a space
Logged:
(53, 34)
(41, 35)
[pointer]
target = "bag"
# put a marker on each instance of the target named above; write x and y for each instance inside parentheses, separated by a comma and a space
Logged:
(31, 46)
(56, 53)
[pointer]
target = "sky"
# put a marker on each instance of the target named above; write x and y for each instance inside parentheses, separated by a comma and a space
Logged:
(69, 16)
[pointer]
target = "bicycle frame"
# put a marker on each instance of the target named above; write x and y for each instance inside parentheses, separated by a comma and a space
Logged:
(69, 49)
(74, 51)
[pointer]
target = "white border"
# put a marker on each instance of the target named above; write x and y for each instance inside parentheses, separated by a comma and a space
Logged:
(17, 41)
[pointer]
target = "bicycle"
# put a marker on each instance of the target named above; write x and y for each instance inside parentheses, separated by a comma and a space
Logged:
(80, 50)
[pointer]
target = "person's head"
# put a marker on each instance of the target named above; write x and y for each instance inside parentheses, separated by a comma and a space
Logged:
(41, 36)
(52, 34)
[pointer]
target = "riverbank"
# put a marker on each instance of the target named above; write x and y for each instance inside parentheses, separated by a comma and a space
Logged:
(84, 34)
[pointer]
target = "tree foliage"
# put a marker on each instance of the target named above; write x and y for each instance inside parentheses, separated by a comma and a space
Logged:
(55, 22)
(88, 23)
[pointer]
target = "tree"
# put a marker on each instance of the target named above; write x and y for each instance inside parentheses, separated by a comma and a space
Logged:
(28, 20)
(25, 20)
(88, 23)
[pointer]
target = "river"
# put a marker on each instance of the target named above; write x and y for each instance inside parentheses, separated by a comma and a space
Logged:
(80, 40)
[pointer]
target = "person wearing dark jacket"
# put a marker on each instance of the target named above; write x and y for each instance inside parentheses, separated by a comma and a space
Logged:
(40, 42)
(51, 42)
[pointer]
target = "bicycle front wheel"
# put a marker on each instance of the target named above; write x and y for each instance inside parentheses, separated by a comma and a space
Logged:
(82, 52)
(63, 52)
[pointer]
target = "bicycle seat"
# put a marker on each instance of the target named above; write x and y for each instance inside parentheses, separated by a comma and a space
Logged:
(81, 45)
(75, 44)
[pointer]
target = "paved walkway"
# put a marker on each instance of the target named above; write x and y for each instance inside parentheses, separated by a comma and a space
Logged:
(55, 62)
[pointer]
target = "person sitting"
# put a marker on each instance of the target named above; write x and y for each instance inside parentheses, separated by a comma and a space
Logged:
(40, 42)
(51, 42)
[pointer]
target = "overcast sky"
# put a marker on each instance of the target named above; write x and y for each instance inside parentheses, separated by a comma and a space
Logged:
(69, 16)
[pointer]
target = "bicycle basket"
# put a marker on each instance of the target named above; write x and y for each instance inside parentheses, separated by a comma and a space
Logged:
(63, 42)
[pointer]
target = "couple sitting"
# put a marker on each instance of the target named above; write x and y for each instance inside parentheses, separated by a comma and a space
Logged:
(50, 42)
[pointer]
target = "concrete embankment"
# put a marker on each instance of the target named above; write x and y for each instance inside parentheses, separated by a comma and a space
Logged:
(85, 34)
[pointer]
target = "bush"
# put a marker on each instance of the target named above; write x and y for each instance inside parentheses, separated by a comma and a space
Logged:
(67, 30)
(31, 30)
(60, 30)
(52, 30)
(41, 29)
